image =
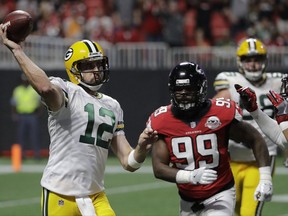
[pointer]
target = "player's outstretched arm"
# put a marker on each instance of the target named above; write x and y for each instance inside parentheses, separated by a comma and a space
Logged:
(281, 107)
(51, 94)
(145, 142)
(268, 125)
(132, 159)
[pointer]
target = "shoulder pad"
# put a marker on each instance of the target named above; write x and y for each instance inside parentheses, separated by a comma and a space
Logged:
(274, 75)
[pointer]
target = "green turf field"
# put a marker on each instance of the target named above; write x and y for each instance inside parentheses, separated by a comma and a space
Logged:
(130, 194)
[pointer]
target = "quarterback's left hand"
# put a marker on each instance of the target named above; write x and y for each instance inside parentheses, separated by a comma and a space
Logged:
(147, 138)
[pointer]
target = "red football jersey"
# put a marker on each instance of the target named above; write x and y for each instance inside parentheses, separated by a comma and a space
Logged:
(199, 144)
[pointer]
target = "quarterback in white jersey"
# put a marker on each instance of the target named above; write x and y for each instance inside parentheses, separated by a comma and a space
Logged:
(86, 137)
(252, 62)
(83, 124)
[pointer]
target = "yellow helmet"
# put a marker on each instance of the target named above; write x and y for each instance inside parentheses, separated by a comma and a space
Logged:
(252, 48)
(83, 55)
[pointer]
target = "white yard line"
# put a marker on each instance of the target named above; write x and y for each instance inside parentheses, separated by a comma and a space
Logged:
(120, 190)
(111, 191)
(4, 169)
(21, 202)
(117, 190)
(139, 187)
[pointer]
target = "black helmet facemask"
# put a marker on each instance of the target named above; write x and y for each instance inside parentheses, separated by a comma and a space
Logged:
(188, 87)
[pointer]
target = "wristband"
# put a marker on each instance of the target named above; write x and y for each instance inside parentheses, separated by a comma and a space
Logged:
(265, 173)
(255, 113)
(183, 176)
(132, 162)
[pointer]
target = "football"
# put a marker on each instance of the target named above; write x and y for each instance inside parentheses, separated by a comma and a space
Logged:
(19, 25)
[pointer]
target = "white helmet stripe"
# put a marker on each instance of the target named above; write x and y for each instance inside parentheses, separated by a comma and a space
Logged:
(252, 45)
(91, 46)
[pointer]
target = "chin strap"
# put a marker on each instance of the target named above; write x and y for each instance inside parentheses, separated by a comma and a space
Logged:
(92, 88)
(186, 106)
(253, 76)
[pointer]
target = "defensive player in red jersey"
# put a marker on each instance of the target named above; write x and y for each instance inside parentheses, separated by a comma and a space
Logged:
(192, 150)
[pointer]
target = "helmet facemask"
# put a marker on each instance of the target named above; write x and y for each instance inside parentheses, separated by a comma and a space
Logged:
(98, 66)
(188, 87)
(253, 67)
(188, 97)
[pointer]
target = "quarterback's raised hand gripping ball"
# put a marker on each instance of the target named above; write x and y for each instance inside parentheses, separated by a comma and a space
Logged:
(248, 97)
(19, 25)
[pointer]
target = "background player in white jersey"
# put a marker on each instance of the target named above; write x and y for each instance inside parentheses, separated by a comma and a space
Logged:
(252, 62)
(83, 124)
(192, 150)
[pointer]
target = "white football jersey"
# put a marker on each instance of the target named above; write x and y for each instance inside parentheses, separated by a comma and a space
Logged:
(226, 80)
(81, 133)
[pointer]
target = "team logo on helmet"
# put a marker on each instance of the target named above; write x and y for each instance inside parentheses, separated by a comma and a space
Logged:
(68, 54)
(213, 122)
(181, 82)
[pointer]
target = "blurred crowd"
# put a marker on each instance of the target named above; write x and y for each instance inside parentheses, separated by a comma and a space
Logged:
(178, 23)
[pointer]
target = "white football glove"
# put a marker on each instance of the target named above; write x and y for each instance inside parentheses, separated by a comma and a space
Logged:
(203, 176)
(264, 190)
(197, 176)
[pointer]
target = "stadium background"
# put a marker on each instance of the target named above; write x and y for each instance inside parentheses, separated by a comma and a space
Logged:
(139, 92)
(143, 40)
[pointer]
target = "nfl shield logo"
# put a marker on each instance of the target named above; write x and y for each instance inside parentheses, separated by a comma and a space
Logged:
(192, 124)
(60, 202)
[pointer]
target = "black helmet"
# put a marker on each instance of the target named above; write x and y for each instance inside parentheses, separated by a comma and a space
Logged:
(187, 86)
